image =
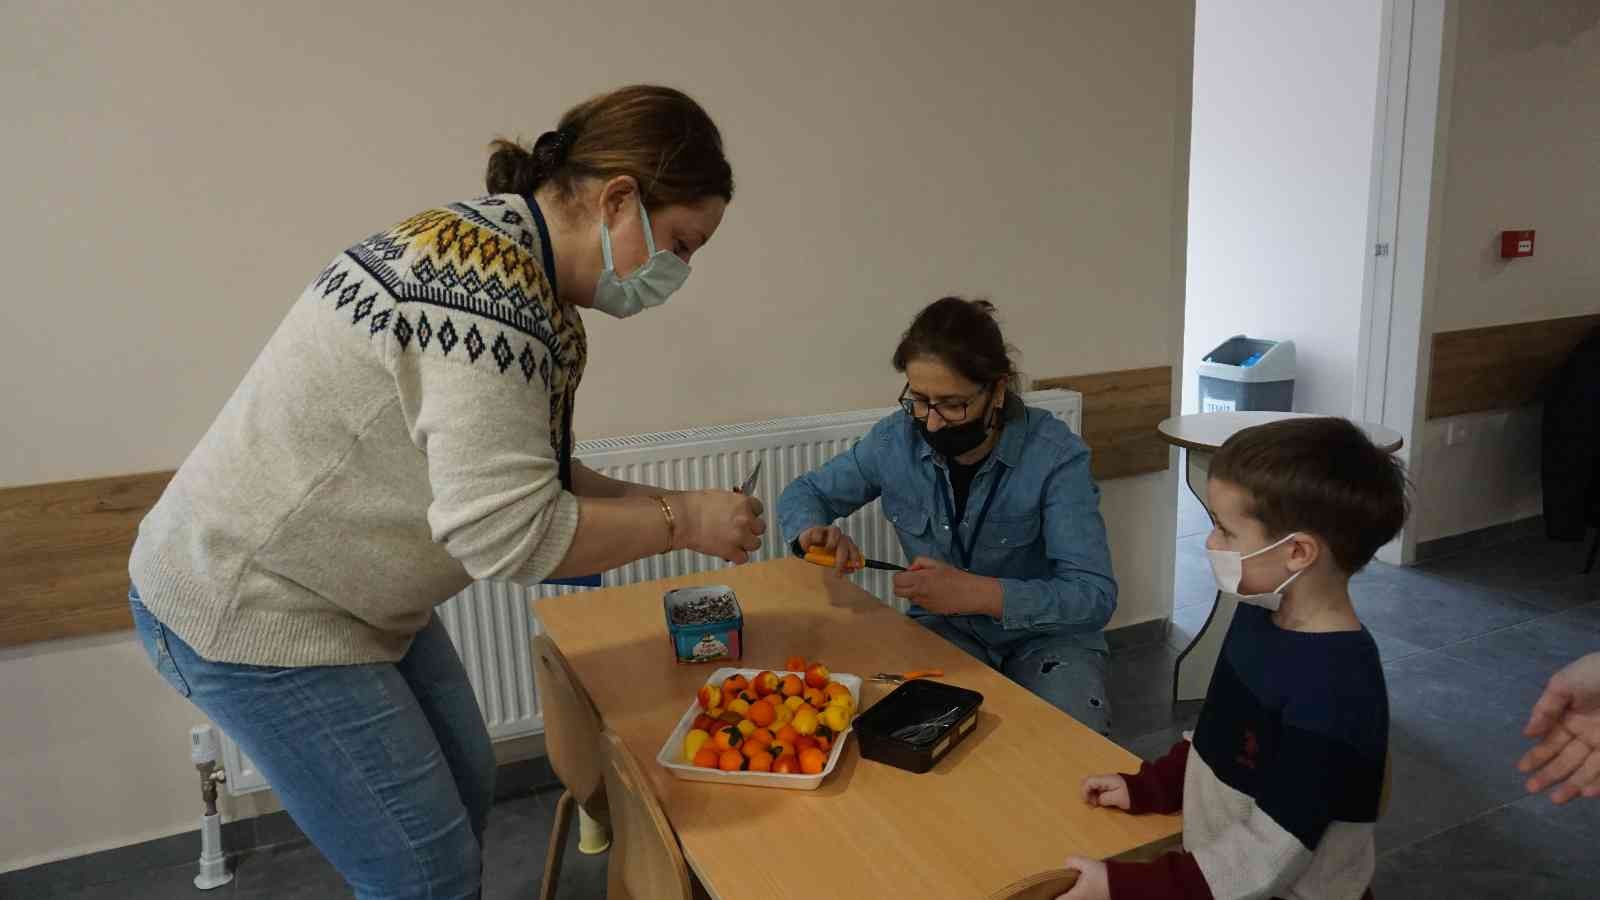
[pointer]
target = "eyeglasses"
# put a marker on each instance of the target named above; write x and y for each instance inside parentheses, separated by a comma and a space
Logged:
(953, 412)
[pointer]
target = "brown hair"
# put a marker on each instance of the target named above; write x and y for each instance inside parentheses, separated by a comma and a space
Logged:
(962, 334)
(1323, 476)
(658, 135)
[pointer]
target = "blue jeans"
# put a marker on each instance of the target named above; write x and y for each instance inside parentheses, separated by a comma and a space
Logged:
(386, 767)
(1057, 668)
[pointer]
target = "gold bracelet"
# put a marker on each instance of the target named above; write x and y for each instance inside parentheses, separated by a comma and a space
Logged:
(672, 523)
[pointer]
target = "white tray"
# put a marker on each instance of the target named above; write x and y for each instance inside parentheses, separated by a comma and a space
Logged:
(671, 755)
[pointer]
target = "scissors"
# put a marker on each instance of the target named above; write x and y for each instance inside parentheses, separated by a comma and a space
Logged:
(821, 557)
(750, 480)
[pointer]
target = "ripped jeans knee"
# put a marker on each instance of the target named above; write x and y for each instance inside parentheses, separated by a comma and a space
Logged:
(1068, 676)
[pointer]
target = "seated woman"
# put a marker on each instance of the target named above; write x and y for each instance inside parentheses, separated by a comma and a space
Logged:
(994, 503)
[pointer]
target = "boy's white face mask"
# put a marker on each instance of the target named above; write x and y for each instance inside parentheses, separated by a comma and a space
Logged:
(1228, 567)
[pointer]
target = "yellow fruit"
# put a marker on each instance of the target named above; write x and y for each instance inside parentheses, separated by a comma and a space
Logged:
(693, 741)
(836, 717)
(806, 721)
(785, 715)
(746, 727)
(843, 702)
(795, 703)
(739, 706)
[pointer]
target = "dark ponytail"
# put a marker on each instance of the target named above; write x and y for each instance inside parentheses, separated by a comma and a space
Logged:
(659, 136)
(962, 334)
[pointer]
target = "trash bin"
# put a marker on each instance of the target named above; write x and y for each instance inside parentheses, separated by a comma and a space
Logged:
(1247, 373)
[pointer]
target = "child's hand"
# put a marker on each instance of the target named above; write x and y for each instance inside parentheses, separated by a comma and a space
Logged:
(1106, 790)
(1092, 883)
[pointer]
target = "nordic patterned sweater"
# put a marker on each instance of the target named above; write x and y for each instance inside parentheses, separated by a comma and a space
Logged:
(1280, 788)
(406, 430)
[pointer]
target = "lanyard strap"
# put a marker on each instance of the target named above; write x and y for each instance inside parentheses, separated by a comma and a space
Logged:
(963, 552)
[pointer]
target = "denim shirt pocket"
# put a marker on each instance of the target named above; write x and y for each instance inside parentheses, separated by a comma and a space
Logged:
(1002, 539)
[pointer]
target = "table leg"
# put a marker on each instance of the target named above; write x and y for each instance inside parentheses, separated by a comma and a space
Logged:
(1192, 674)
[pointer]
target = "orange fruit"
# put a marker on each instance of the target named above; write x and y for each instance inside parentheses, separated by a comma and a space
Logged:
(787, 734)
(796, 664)
(835, 689)
(787, 765)
(728, 695)
(706, 757)
(813, 761)
(730, 761)
(761, 762)
(780, 749)
(705, 723)
(762, 714)
(751, 748)
(737, 682)
(765, 684)
(805, 742)
(816, 698)
(760, 736)
(824, 743)
(709, 696)
(727, 738)
(817, 675)
(806, 721)
(792, 686)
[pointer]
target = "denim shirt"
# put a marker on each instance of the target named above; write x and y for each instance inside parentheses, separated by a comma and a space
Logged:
(1043, 538)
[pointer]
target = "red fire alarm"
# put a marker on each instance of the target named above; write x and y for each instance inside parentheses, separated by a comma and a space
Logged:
(1516, 244)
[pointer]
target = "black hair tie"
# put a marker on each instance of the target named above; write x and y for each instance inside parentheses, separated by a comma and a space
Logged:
(552, 147)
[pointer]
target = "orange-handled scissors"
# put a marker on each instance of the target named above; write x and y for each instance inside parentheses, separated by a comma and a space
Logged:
(821, 557)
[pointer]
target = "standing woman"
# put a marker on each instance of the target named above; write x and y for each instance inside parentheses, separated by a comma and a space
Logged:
(993, 501)
(406, 430)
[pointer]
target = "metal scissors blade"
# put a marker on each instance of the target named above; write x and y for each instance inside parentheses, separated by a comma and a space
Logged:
(750, 480)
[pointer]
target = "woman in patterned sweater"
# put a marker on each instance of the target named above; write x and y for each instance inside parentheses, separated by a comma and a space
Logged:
(406, 430)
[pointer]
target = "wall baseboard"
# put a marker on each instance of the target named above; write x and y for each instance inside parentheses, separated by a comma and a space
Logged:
(512, 780)
(1468, 541)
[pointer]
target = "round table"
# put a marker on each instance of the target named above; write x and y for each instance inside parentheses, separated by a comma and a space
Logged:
(1201, 436)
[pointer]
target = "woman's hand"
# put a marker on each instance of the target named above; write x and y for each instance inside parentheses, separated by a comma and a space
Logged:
(847, 557)
(724, 524)
(941, 588)
(1106, 790)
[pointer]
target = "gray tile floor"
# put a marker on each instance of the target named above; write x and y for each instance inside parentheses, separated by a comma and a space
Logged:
(1467, 643)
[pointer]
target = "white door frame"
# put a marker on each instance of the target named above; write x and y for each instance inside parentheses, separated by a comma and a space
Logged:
(1394, 341)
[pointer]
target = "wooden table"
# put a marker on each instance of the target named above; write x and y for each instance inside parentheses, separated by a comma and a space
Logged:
(1201, 436)
(1003, 805)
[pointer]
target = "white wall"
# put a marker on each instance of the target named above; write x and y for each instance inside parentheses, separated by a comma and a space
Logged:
(180, 171)
(1285, 97)
(1522, 150)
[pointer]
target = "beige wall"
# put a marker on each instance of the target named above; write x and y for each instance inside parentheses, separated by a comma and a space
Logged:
(1522, 150)
(179, 171)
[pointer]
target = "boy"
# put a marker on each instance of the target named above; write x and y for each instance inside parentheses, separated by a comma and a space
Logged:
(1280, 787)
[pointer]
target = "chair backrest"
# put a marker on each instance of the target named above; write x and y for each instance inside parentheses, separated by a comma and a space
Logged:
(1043, 886)
(646, 862)
(571, 726)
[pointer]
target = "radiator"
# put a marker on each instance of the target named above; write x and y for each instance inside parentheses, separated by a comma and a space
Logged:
(490, 622)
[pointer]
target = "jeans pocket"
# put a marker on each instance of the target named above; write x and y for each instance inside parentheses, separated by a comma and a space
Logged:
(153, 635)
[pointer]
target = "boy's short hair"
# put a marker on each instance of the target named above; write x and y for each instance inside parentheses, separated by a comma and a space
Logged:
(1321, 475)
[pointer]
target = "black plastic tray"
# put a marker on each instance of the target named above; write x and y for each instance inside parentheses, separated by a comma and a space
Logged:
(911, 704)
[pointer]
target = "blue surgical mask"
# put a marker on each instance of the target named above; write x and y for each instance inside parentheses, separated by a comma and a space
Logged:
(650, 285)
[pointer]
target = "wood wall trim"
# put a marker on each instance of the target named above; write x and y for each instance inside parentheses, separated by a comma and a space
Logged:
(1501, 366)
(64, 546)
(1121, 410)
(64, 554)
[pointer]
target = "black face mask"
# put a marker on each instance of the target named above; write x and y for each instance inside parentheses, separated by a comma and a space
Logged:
(952, 441)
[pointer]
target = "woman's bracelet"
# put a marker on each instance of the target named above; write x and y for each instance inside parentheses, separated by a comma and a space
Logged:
(672, 523)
